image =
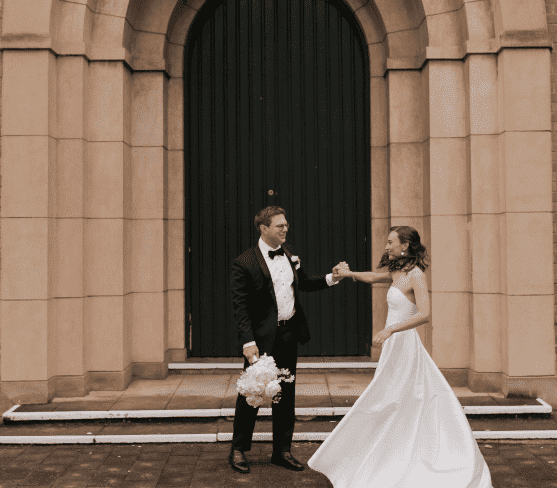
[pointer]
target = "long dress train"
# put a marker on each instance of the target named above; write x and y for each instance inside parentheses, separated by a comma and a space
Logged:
(407, 429)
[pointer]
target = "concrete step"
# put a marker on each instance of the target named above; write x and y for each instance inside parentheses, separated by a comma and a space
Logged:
(472, 406)
(220, 430)
(306, 365)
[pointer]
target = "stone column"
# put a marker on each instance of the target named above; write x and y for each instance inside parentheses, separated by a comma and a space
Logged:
(408, 134)
(28, 226)
(380, 204)
(446, 182)
(148, 252)
(67, 273)
(527, 333)
(107, 236)
(485, 239)
(174, 214)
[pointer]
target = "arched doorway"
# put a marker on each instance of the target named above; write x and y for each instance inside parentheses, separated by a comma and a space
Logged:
(277, 113)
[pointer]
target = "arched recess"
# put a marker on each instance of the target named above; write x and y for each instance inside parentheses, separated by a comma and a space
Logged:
(277, 113)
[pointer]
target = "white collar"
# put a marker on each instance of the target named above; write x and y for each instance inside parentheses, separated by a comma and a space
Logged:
(265, 248)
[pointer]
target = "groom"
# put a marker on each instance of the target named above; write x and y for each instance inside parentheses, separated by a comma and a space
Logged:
(265, 284)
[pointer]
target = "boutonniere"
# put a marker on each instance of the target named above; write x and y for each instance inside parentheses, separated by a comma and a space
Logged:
(296, 259)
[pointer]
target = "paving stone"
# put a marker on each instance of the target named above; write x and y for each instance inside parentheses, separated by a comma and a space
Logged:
(477, 401)
(87, 406)
(38, 407)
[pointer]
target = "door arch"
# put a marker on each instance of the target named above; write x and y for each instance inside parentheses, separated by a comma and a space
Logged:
(277, 113)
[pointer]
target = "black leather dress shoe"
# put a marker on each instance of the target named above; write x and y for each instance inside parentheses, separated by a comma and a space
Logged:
(238, 461)
(286, 460)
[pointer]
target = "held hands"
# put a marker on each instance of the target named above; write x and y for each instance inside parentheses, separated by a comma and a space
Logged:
(381, 337)
(341, 270)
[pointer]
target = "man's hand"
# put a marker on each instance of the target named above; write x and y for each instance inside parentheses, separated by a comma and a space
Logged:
(249, 352)
(340, 271)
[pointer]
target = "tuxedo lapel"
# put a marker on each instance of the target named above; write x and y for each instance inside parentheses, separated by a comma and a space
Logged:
(265, 271)
(292, 265)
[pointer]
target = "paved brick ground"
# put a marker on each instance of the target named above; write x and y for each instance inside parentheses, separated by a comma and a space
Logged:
(204, 465)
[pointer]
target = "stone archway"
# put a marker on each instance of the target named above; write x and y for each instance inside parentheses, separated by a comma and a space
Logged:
(92, 197)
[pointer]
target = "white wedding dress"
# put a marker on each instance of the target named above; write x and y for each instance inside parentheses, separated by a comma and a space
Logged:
(407, 429)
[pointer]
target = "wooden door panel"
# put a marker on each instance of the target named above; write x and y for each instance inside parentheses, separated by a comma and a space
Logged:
(277, 113)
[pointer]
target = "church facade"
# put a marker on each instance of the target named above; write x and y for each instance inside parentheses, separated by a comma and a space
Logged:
(99, 279)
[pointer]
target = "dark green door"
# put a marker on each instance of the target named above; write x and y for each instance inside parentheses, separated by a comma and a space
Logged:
(277, 113)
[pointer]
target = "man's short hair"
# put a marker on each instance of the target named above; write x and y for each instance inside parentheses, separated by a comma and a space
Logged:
(265, 216)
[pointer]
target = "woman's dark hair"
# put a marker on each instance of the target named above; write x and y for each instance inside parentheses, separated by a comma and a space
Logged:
(417, 253)
(264, 216)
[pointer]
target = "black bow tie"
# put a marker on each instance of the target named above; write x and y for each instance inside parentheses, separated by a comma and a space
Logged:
(278, 252)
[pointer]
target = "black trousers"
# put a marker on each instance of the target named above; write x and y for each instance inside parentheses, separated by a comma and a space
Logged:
(285, 354)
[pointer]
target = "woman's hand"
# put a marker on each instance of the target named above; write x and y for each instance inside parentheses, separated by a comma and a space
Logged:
(381, 337)
(340, 271)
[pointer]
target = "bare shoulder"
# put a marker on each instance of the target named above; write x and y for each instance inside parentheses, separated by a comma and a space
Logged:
(417, 277)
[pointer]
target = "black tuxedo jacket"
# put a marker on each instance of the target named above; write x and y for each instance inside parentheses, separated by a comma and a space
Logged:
(254, 305)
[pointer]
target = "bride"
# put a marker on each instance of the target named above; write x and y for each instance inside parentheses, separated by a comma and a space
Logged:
(407, 429)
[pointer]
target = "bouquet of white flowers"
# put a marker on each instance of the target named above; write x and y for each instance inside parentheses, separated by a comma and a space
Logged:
(261, 380)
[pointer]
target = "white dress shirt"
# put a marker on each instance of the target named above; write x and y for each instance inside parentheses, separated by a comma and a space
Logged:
(283, 277)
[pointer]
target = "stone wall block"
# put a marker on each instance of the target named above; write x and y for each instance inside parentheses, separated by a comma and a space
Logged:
(107, 33)
(485, 345)
(175, 104)
(379, 111)
(371, 25)
(149, 51)
(450, 326)
(377, 59)
(449, 254)
(527, 171)
(481, 78)
(71, 25)
(175, 265)
(479, 20)
(379, 234)
(69, 178)
(380, 182)
(148, 333)
(485, 244)
(105, 340)
(179, 24)
(449, 181)
(27, 18)
(24, 257)
(104, 180)
(106, 102)
(175, 186)
(72, 96)
(148, 109)
(406, 175)
(528, 234)
(66, 272)
(103, 257)
(29, 93)
(406, 115)
(70, 341)
(24, 338)
(447, 99)
(403, 43)
(147, 266)
(524, 90)
(29, 175)
(147, 175)
(530, 341)
(484, 173)
(176, 318)
(175, 60)
(447, 28)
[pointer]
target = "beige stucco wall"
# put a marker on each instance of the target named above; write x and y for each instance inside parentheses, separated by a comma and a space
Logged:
(92, 215)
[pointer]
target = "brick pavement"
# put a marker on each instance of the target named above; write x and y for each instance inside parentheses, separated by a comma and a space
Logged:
(204, 465)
